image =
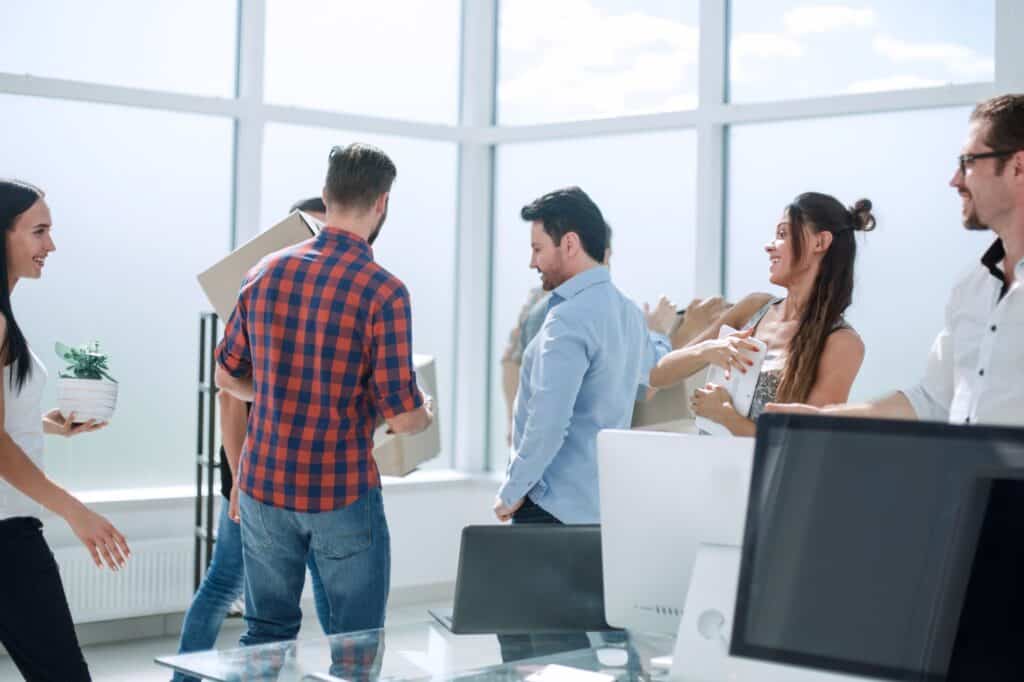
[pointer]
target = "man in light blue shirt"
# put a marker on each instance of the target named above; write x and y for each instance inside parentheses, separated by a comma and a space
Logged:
(581, 372)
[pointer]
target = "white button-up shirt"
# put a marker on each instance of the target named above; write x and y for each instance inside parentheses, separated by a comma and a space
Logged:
(975, 371)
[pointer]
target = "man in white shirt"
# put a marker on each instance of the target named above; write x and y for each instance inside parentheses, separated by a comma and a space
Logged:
(975, 372)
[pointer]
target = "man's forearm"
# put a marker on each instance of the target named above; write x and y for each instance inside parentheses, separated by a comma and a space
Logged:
(239, 387)
(233, 419)
(894, 406)
(412, 422)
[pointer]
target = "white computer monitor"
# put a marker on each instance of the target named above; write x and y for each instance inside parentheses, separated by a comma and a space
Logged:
(662, 495)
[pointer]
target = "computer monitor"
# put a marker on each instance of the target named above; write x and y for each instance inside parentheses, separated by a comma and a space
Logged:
(883, 550)
(663, 494)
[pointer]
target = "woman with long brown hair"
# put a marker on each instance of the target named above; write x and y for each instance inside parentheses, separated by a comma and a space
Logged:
(813, 354)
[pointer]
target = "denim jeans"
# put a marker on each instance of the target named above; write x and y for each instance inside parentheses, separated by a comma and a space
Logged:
(221, 586)
(351, 548)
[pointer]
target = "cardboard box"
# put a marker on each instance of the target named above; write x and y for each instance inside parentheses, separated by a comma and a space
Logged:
(400, 455)
(395, 455)
(221, 282)
(669, 409)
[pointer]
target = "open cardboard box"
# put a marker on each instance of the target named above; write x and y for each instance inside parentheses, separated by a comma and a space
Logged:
(669, 408)
(400, 455)
(222, 281)
(395, 455)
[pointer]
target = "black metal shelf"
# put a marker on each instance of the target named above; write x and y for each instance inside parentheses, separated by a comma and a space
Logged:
(207, 461)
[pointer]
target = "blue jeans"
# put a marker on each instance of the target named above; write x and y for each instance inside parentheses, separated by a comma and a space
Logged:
(350, 546)
(221, 586)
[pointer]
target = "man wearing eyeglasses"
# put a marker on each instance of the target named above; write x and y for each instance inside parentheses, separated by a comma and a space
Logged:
(975, 372)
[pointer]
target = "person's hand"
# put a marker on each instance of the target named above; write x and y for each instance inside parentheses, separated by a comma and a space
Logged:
(104, 542)
(662, 318)
(728, 352)
(54, 423)
(504, 512)
(233, 512)
(702, 312)
(712, 402)
(792, 408)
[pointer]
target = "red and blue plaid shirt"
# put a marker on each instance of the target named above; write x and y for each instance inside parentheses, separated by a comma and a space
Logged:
(326, 334)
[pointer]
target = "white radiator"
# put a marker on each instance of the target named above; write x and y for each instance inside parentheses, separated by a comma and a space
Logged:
(156, 580)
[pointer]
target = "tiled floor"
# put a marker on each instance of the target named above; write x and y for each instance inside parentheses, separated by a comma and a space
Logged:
(132, 661)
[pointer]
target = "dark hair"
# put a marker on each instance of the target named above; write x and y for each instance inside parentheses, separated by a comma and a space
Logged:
(571, 210)
(832, 291)
(315, 204)
(357, 175)
(1005, 116)
(16, 197)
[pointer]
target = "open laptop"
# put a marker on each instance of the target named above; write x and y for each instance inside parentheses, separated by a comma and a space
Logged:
(528, 578)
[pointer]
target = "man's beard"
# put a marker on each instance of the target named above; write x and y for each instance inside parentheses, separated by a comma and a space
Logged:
(376, 231)
(972, 222)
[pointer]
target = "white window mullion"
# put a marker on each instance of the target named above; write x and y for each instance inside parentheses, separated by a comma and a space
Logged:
(474, 232)
(1009, 46)
(248, 161)
(708, 277)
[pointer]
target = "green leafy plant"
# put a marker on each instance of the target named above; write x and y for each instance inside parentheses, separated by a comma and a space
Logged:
(84, 362)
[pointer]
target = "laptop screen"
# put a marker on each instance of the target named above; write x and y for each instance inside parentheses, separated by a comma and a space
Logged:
(888, 549)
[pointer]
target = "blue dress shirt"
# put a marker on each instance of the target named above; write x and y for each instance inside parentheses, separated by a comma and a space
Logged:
(580, 374)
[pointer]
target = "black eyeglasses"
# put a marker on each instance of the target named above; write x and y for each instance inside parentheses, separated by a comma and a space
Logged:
(966, 159)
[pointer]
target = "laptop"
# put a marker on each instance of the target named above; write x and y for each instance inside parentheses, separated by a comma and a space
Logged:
(527, 578)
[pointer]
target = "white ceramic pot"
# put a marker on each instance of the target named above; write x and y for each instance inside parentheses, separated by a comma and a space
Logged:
(86, 398)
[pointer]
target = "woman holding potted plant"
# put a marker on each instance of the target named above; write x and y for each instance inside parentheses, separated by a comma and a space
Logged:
(35, 623)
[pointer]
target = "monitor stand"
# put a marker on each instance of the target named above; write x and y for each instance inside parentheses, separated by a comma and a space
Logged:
(702, 646)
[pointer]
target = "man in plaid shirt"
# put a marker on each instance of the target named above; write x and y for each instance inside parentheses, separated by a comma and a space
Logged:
(321, 342)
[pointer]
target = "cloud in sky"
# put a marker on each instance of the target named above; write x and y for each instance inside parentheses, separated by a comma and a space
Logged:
(825, 18)
(580, 61)
(960, 62)
(764, 45)
(903, 82)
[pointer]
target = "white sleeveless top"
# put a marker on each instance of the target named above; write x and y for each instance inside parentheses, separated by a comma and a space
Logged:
(23, 420)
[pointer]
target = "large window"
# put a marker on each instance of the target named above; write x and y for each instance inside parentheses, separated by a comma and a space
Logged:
(579, 59)
(907, 266)
(793, 48)
(152, 180)
(178, 45)
(141, 203)
(391, 58)
(645, 186)
(417, 242)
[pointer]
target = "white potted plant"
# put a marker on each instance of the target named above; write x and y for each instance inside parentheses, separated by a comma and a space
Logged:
(85, 388)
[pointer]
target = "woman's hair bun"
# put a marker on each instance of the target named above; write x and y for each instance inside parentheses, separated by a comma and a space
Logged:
(860, 215)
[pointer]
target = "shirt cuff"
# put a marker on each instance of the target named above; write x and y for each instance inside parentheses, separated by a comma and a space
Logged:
(663, 343)
(399, 403)
(233, 365)
(512, 491)
(924, 405)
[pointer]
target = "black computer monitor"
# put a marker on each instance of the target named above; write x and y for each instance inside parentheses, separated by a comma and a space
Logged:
(886, 549)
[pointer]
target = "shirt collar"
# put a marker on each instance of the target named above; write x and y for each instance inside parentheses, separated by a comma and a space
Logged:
(992, 260)
(588, 278)
(342, 237)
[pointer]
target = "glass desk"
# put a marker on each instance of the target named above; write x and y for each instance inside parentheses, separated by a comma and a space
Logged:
(418, 651)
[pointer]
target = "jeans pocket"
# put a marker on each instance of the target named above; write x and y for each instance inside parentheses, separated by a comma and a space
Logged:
(345, 532)
(255, 531)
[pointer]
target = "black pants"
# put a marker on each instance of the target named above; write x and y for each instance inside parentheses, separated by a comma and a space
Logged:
(35, 623)
(519, 647)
